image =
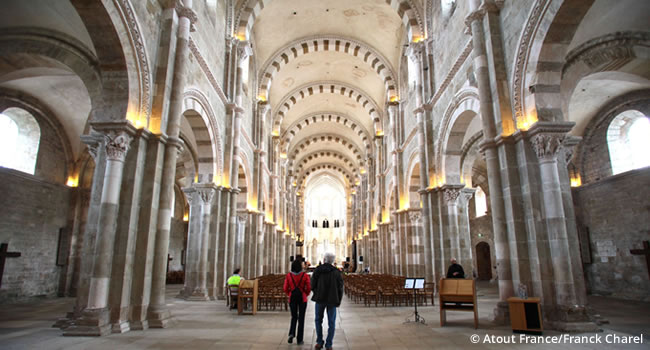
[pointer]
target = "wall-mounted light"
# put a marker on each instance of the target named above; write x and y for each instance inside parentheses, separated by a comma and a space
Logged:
(73, 181)
(576, 181)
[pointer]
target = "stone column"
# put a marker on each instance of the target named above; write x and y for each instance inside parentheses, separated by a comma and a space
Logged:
(197, 243)
(158, 314)
(561, 306)
(415, 244)
(146, 233)
(96, 148)
(126, 233)
(214, 252)
(489, 148)
(450, 232)
(464, 236)
(223, 267)
(95, 319)
(231, 263)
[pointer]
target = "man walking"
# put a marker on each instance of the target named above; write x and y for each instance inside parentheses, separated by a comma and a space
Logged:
(327, 285)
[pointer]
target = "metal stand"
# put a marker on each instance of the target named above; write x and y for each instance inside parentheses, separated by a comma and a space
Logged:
(417, 318)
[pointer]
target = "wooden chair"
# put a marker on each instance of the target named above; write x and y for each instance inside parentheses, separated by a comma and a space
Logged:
(248, 291)
(430, 292)
(457, 295)
(231, 299)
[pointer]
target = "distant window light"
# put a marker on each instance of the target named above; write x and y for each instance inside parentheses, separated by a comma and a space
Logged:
(628, 140)
(20, 137)
(448, 7)
(480, 200)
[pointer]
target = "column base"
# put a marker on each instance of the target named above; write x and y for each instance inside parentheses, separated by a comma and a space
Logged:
(573, 319)
(121, 327)
(159, 317)
(197, 294)
(92, 323)
(140, 325)
(501, 314)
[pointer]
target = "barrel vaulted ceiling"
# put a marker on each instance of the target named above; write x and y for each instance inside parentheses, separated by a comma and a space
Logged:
(327, 77)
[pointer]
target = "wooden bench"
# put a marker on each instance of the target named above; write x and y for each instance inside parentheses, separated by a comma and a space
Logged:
(457, 295)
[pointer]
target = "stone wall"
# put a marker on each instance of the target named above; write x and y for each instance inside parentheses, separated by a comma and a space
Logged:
(33, 213)
(616, 214)
(482, 225)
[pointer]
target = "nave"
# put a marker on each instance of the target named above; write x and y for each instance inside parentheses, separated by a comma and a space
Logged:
(211, 325)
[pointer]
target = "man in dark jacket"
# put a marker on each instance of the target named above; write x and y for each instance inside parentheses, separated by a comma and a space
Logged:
(455, 270)
(327, 285)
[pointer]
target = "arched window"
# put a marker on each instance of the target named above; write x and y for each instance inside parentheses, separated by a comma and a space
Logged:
(628, 140)
(448, 7)
(480, 200)
(20, 136)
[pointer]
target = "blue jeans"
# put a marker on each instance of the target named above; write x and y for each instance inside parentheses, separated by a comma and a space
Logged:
(331, 323)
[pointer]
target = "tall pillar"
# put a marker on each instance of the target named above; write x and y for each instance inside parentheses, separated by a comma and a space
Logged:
(214, 250)
(95, 319)
(146, 233)
(158, 313)
(564, 306)
(465, 257)
(489, 119)
(224, 268)
(196, 267)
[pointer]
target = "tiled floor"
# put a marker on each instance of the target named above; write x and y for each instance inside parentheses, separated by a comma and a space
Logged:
(210, 325)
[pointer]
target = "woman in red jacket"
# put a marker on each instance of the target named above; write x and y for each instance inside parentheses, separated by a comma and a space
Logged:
(297, 287)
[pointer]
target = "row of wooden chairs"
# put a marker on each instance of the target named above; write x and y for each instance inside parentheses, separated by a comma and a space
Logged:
(386, 289)
(271, 296)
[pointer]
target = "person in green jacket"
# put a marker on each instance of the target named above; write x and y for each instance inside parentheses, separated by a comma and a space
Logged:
(233, 286)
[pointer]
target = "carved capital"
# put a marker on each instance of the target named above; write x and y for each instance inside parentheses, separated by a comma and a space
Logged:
(94, 141)
(451, 194)
(415, 217)
(476, 15)
(186, 12)
(206, 195)
(117, 145)
(547, 146)
(244, 50)
(415, 51)
(569, 146)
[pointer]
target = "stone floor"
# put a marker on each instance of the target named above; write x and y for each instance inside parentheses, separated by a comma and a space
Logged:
(210, 325)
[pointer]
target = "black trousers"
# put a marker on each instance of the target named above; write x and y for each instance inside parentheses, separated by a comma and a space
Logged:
(297, 315)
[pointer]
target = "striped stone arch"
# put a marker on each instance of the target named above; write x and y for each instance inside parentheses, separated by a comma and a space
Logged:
(206, 132)
(251, 9)
(328, 117)
(325, 166)
(334, 174)
(304, 46)
(327, 87)
(465, 100)
(302, 162)
(351, 146)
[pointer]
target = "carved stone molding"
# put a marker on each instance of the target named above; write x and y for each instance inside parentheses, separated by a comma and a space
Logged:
(415, 217)
(450, 194)
(523, 51)
(244, 50)
(608, 52)
(186, 12)
(547, 146)
(135, 36)
(206, 70)
(117, 145)
(569, 146)
(206, 194)
(93, 141)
